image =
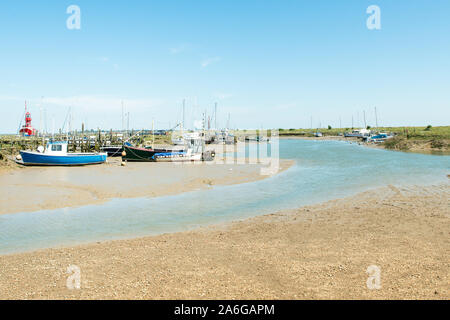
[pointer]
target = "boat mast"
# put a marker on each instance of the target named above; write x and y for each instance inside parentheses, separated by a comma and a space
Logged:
(128, 124)
(215, 116)
(40, 117)
(376, 118)
(365, 124)
(153, 134)
(182, 123)
(123, 125)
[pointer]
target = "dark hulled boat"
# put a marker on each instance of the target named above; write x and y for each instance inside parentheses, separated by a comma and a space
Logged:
(143, 154)
(138, 154)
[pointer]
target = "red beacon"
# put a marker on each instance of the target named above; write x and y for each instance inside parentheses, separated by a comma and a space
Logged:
(27, 129)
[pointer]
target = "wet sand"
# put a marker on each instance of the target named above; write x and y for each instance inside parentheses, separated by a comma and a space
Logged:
(314, 252)
(24, 189)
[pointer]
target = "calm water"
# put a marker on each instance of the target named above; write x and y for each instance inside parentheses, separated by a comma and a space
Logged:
(324, 170)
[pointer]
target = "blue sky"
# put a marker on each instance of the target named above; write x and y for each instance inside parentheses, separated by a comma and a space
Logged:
(267, 63)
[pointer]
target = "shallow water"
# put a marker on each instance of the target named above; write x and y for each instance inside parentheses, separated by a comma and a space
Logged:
(323, 170)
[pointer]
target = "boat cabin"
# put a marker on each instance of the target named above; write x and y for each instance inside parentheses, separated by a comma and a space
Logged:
(56, 147)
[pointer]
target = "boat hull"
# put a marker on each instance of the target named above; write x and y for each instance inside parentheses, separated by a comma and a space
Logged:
(71, 159)
(138, 154)
(176, 157)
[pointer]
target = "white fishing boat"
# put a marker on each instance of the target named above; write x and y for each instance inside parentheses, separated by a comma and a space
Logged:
(182, 139)
(358, 133)
(194, 150)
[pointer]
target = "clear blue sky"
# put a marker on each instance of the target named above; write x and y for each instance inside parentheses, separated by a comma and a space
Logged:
(267, 63)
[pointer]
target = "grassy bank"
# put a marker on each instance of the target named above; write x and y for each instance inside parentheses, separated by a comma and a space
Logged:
(406, 138)
(420, 139)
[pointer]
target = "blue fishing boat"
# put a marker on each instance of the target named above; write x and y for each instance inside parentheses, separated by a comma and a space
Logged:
(55, 154)
(381, 137)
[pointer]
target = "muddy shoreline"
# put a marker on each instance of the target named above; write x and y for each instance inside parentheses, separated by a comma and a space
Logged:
(27, 189)
(314, 252)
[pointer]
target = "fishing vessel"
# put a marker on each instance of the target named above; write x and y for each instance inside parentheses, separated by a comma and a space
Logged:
(193, 151)
(358, 133)
(381, 137)
(55, 154)
(318, 134)
(132, 153)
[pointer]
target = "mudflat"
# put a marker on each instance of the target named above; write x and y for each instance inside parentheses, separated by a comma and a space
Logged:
(314, 252)
(24, 189)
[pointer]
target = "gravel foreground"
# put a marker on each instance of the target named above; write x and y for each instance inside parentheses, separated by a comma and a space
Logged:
(315, 252)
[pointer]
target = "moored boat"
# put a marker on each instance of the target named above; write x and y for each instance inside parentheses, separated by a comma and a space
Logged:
(138, 154)
(381, 137)
(177, 156)
(192, 151)
(358, 133)
(55, 154)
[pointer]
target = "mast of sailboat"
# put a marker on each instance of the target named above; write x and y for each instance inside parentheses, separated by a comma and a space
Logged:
(40, 116)
(365, 124)
(128, 124)
(215, 116)
(376, 118)
(123, 124)
(182, 123)
(153, 134)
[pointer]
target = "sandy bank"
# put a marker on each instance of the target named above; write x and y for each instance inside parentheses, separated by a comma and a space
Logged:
(37, 188)
(314, 252)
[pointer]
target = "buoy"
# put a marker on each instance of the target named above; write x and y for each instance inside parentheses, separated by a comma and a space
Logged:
(124, 154)
(19, 157)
